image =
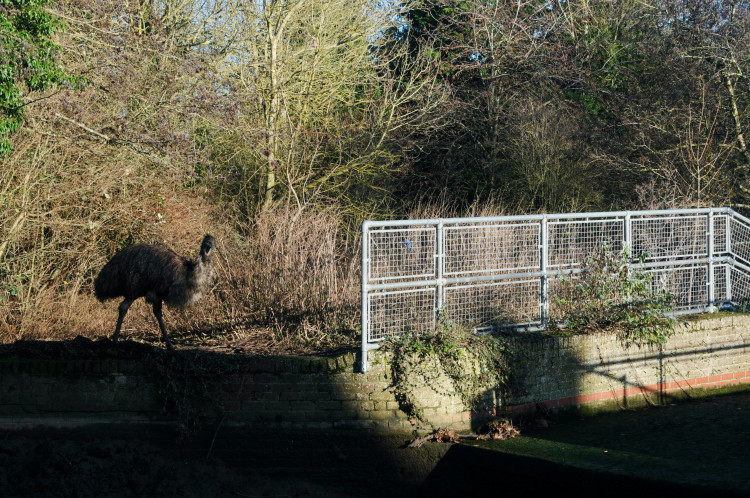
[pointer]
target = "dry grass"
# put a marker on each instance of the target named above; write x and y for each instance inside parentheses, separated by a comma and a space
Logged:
(289, 283)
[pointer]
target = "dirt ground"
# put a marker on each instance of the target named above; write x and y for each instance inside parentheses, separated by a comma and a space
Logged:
(154, 461)
(671, 449)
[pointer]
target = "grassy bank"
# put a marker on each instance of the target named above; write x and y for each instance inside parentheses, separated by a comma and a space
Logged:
(698, 443)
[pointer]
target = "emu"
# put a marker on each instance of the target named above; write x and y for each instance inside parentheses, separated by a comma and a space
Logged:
(158, 274)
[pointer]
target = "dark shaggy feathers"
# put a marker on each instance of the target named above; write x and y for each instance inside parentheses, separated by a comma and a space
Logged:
(158, 274)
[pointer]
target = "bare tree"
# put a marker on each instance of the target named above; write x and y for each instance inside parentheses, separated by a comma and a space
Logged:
(318, 105)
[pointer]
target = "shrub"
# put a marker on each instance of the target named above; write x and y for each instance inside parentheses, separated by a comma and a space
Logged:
(452, 361)
(611, 295)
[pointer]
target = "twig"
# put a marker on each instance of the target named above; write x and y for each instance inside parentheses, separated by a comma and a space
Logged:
(441, 436)
(226, 260)
(683, 379)
(421, 440)
(45, 97)
(44, 133)
(84, 127)
(15, 224)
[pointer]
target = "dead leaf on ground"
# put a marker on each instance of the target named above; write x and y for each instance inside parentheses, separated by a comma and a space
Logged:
(438, 436)
(499, 430)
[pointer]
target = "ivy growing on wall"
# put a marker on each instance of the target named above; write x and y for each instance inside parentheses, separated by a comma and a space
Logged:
(451, 361)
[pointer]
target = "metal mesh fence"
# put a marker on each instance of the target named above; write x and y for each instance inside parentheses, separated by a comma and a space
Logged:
(491, 248)
(687, 285)
(402, 253)
(519, 271)
(740, 287)
(562, 290)
(402, 311)
(669, 237)
(721, 232)
(722, 283)
(573, 242)
(740, 240)
(492, 304)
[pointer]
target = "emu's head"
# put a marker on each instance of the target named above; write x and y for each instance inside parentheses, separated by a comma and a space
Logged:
(207, 246)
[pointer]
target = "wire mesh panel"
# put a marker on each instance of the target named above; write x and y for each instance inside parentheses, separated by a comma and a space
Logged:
(740, 287)
(573, 243)
(721, 234)
(493, 304)
(562, 294)
(740, 239)
(402, 253)
(523, 270)
(686, 285)
(669, 237)
(491, 248)
(721, 283)
(399, 312)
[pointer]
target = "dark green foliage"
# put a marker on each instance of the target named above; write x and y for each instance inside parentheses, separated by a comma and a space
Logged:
(610, 296)
(473, 364)
(28, 58)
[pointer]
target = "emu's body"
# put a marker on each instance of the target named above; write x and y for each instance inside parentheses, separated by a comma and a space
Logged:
(158, 274)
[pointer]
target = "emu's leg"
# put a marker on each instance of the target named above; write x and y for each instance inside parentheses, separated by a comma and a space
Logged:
(157, 313)
(122, 309)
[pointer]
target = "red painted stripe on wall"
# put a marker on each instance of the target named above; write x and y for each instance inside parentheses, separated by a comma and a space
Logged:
(666, 387)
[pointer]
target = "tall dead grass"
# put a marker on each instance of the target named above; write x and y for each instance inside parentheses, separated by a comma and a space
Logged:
(66, 208)
(303, 275)
(288, 281)
(291, 279)
(117, 163)
(444, 207)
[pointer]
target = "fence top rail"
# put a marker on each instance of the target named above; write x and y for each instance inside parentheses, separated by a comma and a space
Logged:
(738, 216)
(370, 224)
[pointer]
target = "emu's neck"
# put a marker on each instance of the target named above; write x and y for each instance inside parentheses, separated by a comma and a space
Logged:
(202, 269)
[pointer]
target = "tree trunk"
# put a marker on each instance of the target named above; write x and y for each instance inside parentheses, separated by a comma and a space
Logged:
(737, 121)
(271, 118)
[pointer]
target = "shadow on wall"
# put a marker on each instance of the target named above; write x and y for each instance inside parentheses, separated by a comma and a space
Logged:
(288, 419)
(597, 369)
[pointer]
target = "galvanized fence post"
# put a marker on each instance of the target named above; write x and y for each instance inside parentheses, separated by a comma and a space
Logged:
(627, 236)
(728, 251)
(627, 245)
(439, 266)
(710, 275)
(365, 300)
(543, 263)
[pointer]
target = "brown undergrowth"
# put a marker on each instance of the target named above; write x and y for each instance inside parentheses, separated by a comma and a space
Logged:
(287, 279)
(286, 283)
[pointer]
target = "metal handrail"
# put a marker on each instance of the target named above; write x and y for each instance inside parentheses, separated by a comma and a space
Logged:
(435, 279)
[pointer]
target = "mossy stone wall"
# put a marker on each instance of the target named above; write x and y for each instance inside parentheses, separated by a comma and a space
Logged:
(330, 392)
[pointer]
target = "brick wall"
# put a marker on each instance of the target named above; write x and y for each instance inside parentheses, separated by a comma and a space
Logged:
(705, 353)
(330, 393)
